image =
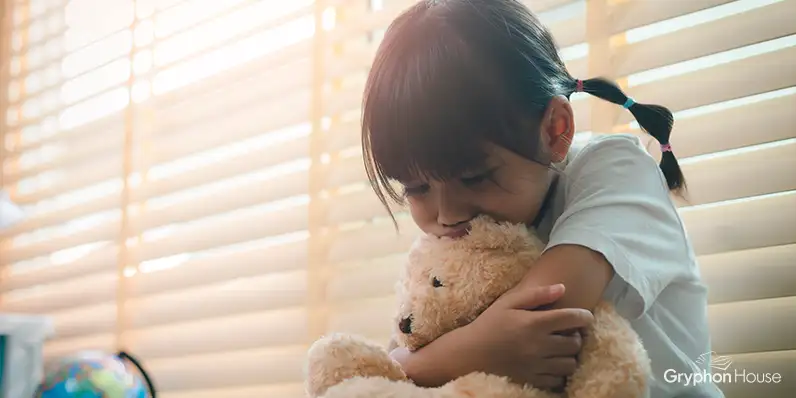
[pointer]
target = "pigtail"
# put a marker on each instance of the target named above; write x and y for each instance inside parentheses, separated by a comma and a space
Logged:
(656, 120)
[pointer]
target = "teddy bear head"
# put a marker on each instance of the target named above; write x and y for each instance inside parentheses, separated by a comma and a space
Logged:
(448, 282)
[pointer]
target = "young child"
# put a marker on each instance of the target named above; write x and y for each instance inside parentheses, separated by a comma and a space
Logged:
(467, 107)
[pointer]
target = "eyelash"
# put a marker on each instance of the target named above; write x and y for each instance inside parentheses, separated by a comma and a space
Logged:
(415, 191)
(477, 179)
(467, 181)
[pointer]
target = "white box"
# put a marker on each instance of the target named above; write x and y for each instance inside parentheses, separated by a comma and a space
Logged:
(23, 362)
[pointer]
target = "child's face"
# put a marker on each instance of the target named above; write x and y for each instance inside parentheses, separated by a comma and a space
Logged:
(509, 188)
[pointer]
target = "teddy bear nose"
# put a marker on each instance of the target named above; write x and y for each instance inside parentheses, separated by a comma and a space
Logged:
(406, 325)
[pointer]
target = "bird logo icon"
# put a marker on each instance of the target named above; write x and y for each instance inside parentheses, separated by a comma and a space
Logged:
(718, 362)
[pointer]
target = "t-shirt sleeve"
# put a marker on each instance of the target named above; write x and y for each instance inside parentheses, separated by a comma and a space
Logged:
(617, 203)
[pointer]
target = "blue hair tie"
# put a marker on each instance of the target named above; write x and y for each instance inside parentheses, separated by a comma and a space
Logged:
(628, 103)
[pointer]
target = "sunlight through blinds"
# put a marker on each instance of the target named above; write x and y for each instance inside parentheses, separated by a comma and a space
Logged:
(179, 132)
(192, 183)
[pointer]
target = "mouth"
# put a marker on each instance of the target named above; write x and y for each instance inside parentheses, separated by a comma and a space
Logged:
(457, 233)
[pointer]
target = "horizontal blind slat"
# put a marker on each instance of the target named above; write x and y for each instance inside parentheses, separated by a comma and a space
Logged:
(371, 318)
(734, 176)
(359, 19)
(225, 230)
(90, 320)
(295, 390)
(107, 231)
(275, 61)
(75, 150)
(241, 123)
(735, 127)
(753, 274)
(772, 362)
(231, 369)
(721, 82)
(60, 348)
(101, 260)
(627, 15)
(373, 278)
(223, 202)
(204, 270)
(219, 300)
(741, 225)
(224, 170)
(217, 100)
(374, 240)
(60, 295)
(68, 137)
(758, 25)
(213, 335)
(62, 215)
(753, 326)
(80, 176)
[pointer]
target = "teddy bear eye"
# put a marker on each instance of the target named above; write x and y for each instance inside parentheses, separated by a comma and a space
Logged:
(435, 282)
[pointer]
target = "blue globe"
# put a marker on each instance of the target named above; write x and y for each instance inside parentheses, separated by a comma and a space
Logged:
(92, 375)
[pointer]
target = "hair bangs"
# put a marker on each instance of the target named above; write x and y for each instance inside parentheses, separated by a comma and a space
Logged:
(430, 106)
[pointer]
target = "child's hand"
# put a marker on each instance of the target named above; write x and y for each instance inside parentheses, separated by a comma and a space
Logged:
(535, 347)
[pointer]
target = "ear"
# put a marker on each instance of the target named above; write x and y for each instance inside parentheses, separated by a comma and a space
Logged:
(557, 128)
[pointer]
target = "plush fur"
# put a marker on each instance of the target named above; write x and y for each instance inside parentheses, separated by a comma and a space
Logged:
(446, 284)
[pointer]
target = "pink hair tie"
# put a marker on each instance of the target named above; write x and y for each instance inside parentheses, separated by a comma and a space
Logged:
(666, 147)
(579, 88)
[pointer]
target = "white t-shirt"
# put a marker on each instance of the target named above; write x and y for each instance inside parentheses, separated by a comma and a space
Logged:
(612, 198)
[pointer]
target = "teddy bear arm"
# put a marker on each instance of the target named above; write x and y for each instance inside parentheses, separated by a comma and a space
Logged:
(336, 358)
(613, 361)
(379, 387)
(479, 384)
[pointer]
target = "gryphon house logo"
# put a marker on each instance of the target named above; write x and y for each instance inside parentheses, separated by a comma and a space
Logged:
(717, 362)
(714, 368)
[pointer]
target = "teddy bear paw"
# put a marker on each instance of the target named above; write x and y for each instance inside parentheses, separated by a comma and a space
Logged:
(338, 357)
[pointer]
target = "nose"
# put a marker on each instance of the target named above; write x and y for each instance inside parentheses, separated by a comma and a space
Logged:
(405, 325)
(452, 211)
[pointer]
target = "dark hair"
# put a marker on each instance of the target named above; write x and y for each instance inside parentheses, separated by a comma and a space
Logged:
(451, 75)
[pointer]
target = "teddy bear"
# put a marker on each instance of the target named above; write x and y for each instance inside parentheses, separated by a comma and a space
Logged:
(445, 284)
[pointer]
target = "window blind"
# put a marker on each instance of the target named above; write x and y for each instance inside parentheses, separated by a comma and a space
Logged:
(160, 151)
(193, 185)
(735, 133)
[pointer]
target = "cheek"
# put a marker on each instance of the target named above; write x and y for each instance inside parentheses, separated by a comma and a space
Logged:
(421, 210)
(516, 202)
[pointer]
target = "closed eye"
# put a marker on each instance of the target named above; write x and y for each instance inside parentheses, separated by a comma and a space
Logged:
(415, 190)
(477, 178)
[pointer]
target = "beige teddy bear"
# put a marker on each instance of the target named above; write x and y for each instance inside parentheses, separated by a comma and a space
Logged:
(446, 284)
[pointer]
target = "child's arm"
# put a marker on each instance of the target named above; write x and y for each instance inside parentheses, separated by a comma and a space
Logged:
(619, 237)
(584, 272)
(484, 344)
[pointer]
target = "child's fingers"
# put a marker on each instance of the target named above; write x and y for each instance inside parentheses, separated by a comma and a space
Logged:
(560, 366)
(529, 298)
(556, 346)
(564, 319)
